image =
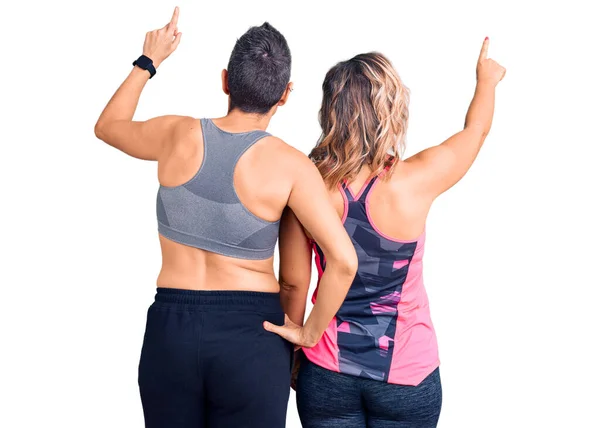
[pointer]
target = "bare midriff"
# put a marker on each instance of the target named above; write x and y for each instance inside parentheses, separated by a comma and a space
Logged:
(190, 268)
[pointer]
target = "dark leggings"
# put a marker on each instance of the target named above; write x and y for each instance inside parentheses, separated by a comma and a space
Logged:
(328, 399)
(207, 361)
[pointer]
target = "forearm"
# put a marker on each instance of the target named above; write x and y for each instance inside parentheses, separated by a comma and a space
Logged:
(123, 103)
(481, 110)
(333, 288)
(293, 301)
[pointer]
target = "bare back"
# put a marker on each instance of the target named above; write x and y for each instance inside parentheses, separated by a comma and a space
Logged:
(263, 181)
(395, 206)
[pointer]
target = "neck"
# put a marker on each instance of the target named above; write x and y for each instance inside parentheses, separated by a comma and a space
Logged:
(238, 121)
(365, 173)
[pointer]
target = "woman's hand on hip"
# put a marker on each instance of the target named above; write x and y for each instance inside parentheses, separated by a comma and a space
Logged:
(161, 43)
(292, 332)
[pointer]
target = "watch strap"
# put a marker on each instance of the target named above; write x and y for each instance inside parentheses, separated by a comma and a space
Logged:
(145, 63)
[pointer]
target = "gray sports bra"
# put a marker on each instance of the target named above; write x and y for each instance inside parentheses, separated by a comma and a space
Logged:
(206, 212)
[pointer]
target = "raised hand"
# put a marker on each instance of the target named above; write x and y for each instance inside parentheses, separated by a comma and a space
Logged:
(161, 43)
(488, 70)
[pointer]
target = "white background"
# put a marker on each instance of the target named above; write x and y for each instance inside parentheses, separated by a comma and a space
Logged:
(511, 263)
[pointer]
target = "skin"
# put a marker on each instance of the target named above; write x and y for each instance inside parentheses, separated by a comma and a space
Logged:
(398, 207)
(269, 177)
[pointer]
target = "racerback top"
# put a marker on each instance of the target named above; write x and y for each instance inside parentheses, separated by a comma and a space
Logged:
(383, 330)
(206, 212)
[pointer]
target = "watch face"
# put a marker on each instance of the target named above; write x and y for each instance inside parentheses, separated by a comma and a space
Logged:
(143, 62)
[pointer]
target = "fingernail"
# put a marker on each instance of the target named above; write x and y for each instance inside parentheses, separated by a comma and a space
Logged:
(487, 38)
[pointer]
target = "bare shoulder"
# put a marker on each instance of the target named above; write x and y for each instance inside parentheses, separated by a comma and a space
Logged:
(284, 148)
(408, 175)
(405, 170)
(285, 156)
(185, 126)
(185, 133)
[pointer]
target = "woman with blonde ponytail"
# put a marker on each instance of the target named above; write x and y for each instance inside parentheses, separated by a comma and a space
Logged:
(377, 364)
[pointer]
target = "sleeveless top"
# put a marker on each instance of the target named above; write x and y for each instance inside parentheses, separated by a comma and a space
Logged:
(383, 330)
(206, 212)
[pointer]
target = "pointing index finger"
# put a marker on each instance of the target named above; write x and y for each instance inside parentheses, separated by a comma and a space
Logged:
(175, 16)
(484, 49)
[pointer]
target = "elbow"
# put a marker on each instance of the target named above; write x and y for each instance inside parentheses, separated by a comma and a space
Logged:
(346, 266)
(102, 128)
(351, 265)
(99, 130)
(286, 287)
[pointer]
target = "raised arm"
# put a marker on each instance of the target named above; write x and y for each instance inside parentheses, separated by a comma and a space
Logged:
(310, 203)
(441, 167)
(143, 140)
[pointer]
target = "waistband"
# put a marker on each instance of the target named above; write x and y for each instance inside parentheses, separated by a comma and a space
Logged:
(221, 300)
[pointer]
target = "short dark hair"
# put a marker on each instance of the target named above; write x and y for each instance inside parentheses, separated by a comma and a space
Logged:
(258, 70)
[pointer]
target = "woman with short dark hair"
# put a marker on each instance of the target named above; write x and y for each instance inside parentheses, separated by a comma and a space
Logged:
(224, 183)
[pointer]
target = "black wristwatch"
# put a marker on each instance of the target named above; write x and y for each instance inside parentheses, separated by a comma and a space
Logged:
(145, 63)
